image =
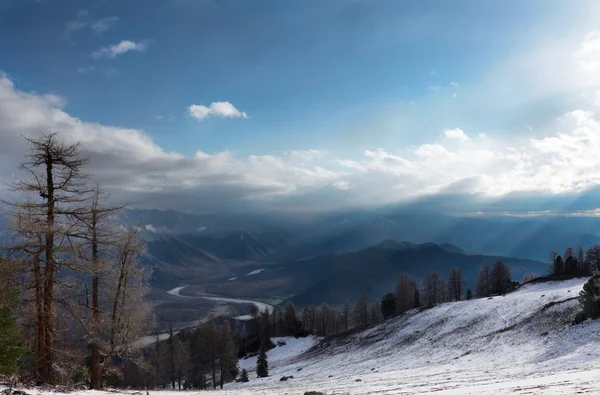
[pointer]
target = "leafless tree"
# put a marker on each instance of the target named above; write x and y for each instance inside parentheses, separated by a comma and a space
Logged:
(56, 180)
(483, 282)
(405, 293)
(456, 284)
(94, 238)
(361, 315)
(433, 289)
(500, 279)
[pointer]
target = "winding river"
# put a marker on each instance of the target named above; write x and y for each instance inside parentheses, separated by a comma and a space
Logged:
(260, 305)
(150, 339)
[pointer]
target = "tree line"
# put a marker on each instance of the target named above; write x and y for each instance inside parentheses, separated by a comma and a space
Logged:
(74, 271)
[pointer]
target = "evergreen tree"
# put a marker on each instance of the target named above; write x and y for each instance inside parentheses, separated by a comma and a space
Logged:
(469, 294)
(388, 305)
(244, 377)
(262, 364)
(10, 341)
(417, 297)
(589, 297)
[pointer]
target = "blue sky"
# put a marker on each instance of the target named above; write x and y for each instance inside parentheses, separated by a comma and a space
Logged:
(357, 81)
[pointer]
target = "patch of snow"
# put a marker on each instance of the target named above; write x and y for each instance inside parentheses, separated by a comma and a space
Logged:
(151, 339)
(245, 317)
(232, 279)
(252, 273)
(293, 348)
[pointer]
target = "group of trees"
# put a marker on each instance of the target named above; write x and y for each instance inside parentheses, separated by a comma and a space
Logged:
(573, 262)
(494, 280)
(76, 274)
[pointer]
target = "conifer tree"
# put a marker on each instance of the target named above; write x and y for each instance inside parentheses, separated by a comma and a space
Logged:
(244, 377)
(469, 294)
(589, 297)
(10, 341)
(262, 364)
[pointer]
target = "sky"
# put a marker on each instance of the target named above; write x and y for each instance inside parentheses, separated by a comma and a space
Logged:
(211, 106)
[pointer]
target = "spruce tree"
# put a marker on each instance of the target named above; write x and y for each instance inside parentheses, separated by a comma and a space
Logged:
(244, 376)
(469, 294)
(417, 297)
(10, 341)
(589, 297)
(262, 364)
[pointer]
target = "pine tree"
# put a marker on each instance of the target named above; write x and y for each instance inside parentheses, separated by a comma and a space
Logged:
(262, 364)
(10, 341)
(388, 305)
(417, 297)
(469, 294)
(589, 297)
(244, 377)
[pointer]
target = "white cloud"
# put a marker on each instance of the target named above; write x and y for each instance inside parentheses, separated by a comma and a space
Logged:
(118, 49)
(134, 168)
(454, 84)
(588, 55)
(151, 228)
(104, 24)
(457, 134)
(222, 109)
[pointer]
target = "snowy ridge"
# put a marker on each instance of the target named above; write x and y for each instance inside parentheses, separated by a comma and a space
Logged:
(522, 342)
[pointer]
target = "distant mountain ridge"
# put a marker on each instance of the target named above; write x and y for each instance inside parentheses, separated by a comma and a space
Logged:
(375, 270)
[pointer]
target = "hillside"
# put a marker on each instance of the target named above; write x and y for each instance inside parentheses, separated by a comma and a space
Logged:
(520, 343)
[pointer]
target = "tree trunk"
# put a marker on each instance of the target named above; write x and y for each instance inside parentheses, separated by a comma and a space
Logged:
(40, 319)
(48, 359)
(95, 366)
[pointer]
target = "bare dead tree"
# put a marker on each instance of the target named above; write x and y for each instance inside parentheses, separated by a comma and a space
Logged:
(456, 284)
(95, 237)
(57, 181)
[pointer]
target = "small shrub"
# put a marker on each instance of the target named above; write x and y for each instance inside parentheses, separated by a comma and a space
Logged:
(244, 378)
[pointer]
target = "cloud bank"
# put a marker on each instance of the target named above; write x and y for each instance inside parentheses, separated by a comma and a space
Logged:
(553, 165)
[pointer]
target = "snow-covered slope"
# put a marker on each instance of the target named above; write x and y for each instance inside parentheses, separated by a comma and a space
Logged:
(498, 345)
(521, 343)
